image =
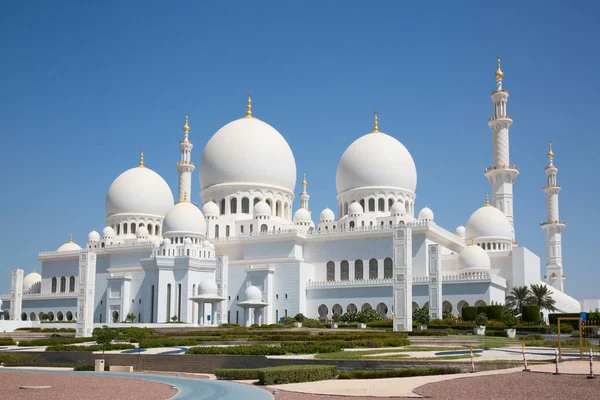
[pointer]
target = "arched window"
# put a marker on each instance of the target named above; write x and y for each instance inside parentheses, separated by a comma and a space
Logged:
(373, 266)
(278, 208)
(446, 306)
(51, 315)
(251, 228)
(406, 206)
(32, 316)
(124, 229)
(264, 228)
(351, 224)
(381, 205)
(23, 316)
(69, 316)
(133, 226)
(115, 316)
(382, 309)
(222, 206)
(241, 229)
(351, 307)
(460, 306)
(63, 284)
(54, 281)
(217, 231)
(168, 302)
(323, 311)
(60, 316)
(233, 205)
(72, 284)
(256, 200)
(119, 229)
(371, 204)
(388, 268)
(285, 210)
(480, 303)
(268, 201)
(245, 205)
(366, 307)
(390, 203)
(344, 271)
(358, 270)
(415, 306)
(157, 230)
(226, 230)
(362, 204)
(331, 271)
(337, 310)
(346, 208)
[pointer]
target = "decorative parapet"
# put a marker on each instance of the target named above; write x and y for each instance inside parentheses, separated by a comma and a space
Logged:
(361, 282)
(451, 278)
(495, 167)
(497, 117)
(126, 244)
(499, 91)
(33, 296)
(555, 222)
(555, 185)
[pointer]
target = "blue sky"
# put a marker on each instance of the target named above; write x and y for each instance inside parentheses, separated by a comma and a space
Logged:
(84, 86)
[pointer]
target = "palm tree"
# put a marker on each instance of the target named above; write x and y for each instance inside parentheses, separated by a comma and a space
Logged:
(541, 296)
(519, 296)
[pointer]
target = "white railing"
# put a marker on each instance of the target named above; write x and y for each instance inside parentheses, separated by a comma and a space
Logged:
(127, 243)
(283, 232)
(41, 295)
(424, 278)
(356, 282)
(474, 276)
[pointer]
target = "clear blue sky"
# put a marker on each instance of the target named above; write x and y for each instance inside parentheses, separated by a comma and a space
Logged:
(85, 85)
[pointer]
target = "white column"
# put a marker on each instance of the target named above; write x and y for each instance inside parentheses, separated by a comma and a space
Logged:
(435, 282)
(402, 286)
(16, 295)
(86, 295)
(213, 313)
(201, 313)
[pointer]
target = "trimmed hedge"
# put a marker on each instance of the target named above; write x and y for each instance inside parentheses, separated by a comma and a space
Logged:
(53, 341)
(531, 313)
(95, 347)
(254, 350)
(311, 348)
(469, 313)
(496, 333)
(46, 329)
(6, 341)
(153, 343)
(377, 342)
(553, 319)
(296, 373)
(236, 374)
(89, 367)
(398, 373)
(495, 313)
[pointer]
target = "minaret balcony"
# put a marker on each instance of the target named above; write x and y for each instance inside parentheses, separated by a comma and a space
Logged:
(556, 222)
(499, 91)
(497, 167)
(500, 117)
(185, 163)
(555, 185)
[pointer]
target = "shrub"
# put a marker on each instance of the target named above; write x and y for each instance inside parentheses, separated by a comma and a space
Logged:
(421, 316)
(299, 317)
(377, 342)
(510, 321)
(296, 373)
(6, 341)
(254, 350)
(52, 341)
(531, 313)
(350, 316)
(533, 337)
(369, 315)
(481, 319)
(229, 325)
(153, 343)
(566, 328)
(469, 313)
(594, 316)
(336, 318)
(447, 315)
(429, 333)
(495, 312)
(388, 323)
(482, 310)
(496, 333)
(311, 348)
(398, 373)
(94, 347)
(237, 374)
(88, 367)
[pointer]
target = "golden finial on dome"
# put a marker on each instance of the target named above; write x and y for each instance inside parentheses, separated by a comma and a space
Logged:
(499, 73)
(472, 240)
(249, 106)
(142, 157)
(304, 182)
(550, 152)
(375, 122)
(487, 200)
(186, 127)
(185, 199)
(71, 238)
(34, 269)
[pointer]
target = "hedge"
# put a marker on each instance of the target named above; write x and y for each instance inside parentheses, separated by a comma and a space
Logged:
(469, 313)
(482, 309)
(153, 343)
(296, 373)
(496, 333)
(531, 313)
(88, 367)
(495, 312)
(236, 374)
(553, 319)
(376, 342)
(53, 341)
(94, 347)
(6, 341)
(46, 329)
(254, 350)
(311, 348)
(398, 373)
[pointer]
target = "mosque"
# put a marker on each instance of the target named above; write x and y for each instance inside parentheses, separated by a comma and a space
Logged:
(245, 256)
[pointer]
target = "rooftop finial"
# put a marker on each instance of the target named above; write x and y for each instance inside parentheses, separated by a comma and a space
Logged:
(249, 106)
(71, 238)
(186, 127)
(375, 122)
(185, 199)
(550, 153)
(142, 157)
(34, 269)
(304, 181)
(487, 200)
(473, 240)
(499, 73)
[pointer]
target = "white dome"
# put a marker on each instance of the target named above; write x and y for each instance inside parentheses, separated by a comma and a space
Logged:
(184, 217)
(212, 246)
(166, 242)
(30, 280)
(488, 221)
(473, 259)
(187, 241)
(156, 244)
(426, 214)
(69, 246)
(248, 151)
(460, 231)
(139, 191)
(205, 243)
(398, 208)
(142, 232)
(376, 160)
(262, 209)
(108, 232)
(93, 236)
(211, 209)
(327, 215)
(355, 209)
(207, 287)
(302, 215)
(253, 293)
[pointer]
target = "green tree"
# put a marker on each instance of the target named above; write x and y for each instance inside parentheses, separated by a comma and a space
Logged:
(174, 318)
(541, 296)
(104, 336)
(519, 296)
(421, 316)
(44, 317)
(131, 317)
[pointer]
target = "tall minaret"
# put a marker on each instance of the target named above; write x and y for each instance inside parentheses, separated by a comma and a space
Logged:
(553, 227)
(304, 196)
(185, 166)
(501, 174)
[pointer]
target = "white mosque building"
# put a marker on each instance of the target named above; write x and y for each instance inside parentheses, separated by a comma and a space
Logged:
(245, 256)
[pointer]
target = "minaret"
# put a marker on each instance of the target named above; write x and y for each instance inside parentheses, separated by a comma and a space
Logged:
(304, 196)
(553, 227)
(185, 166)
(501, 174)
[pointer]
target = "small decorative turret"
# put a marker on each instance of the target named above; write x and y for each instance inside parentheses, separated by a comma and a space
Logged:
(304, 196)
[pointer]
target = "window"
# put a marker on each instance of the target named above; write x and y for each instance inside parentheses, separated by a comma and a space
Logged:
(256, 200)
(233, 205)
(140, 302)
(227, 231)
(276, 297)
(242, 229)
(351, 307)
(344, 271)
(237, 298)
(388, 268)
(276, 316)
(237, 317)
(286, 296)
(390, 203)
(222, 206)
(373, 266)
(168, 302)
(381, 205)
(331, 271)
(264, 228)
(125, 229)
(358, 270)
(245, 206)
(217, 231)
(118, 233)
(351, 224)
(133, 227)
(63, 284)
(285, 313)
(54, 281)
(150, 230)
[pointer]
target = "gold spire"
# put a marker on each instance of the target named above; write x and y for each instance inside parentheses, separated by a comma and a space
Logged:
(304, 182)
(487, 200)
(34, 269)
(71, 238)
(499, 73)
(142, 158)
(375, 122)
(186, 127)
(249, 106)
(550, 152)
(472, 240)
(185, 199)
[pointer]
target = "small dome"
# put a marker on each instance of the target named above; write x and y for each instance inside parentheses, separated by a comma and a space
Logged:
(187, 241)
(262, 209)
(156, 244)
(205, 243)
(212, 246)
(488, 221)
(473, 259)
(398, 208)
(327, 215)
(108, 232)
(211, 209)
(355, 209)
(69, 246)
(426, 214)
(302, 215)
(207, 287)
(166, 242)
(142, 232)
(93, 236)
(31, 281)
(184, 218)
(253, 293)
(460, 231)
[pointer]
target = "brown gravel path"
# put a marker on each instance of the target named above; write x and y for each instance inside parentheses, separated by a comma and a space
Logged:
(79, 387)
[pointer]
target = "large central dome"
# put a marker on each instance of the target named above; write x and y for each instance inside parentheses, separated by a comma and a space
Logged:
(248, 151)
(376, 160)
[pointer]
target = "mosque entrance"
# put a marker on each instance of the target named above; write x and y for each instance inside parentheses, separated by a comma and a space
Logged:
(115, 316)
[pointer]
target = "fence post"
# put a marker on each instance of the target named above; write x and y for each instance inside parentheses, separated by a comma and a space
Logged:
(524, 359)
(472, 360)
(556, 361)
(591, 375)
